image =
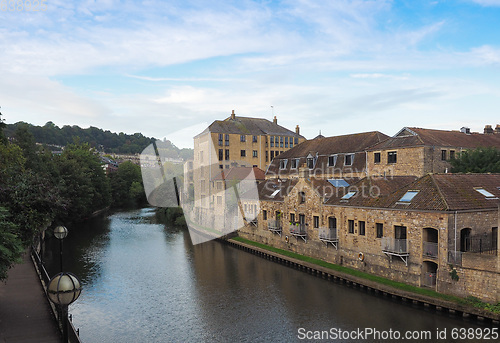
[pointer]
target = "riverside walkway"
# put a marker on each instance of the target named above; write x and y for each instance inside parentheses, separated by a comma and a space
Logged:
(25, 314)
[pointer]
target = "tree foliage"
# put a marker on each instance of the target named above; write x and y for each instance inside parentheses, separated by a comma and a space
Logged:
(11, 247)
(480, 160)
(127, 187)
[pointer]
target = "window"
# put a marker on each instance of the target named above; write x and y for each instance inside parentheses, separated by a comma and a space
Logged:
(276, 141)
(380, 230)
(272, 154)
(254, 139)
(283, 164)
(443, 155)
(202, 185)
(349, 159)
(302, 197)
(316, 222)
(221, 136)
(332, 222)
(291, 142)
(350, 226)
(227, 166)
(310, 162)
(286, 142)
(201, 156)
(484, 192)
(221, 154)
(294, 163)
(332, 160)
(243, 153)
(276, 153)
(267, 156)
(264, 214)
(376, 157)
(254, 153)
(219, 185)
(243, 138)
(292, 218)
(227, 155)
(295, 140)
(392, 157)
(452, 154)
(281, 141)
(272, 141)
(408, 196)
(227, 140)
(348, 196)
(220, 166)
(361, 228)
(219, 200)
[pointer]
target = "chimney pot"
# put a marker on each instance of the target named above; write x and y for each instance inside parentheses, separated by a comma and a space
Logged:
(233, 116)
(488, 130)
(275, 120)
(297, 130)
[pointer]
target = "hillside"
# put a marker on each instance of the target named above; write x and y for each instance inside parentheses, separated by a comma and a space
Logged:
(105, 141)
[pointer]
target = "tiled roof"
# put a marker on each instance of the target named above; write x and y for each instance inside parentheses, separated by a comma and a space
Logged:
(274, 189)
(240, 173)
(436, 192)
(249, 126)
(324, 147)
(411, 137)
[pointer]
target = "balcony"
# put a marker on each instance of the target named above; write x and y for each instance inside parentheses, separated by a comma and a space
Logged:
(395, 247)
(327, 235)
(429, 279)
(274, 226)
(455, 258)
(299, 230)
(430, 250)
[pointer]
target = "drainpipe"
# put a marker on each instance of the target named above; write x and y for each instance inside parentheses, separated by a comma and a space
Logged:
(455, 234)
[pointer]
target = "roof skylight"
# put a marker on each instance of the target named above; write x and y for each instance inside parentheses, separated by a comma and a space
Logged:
(484, 192)
(408, 196)
(274, 193)
(338, 182)
(348, 196)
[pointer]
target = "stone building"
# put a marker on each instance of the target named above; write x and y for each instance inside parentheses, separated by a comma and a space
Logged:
(327, 157)
(438, 230)
(416, 151)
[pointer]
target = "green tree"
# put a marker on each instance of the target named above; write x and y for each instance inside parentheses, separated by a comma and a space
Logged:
(480, 160)
(126, 186)
(3, 139)
(11, 247)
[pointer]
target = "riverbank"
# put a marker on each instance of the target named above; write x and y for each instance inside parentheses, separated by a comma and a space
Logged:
(408, 293)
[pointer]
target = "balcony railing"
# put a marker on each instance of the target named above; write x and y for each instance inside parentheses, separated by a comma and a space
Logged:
(430, 250)
(455, 258)
(395, 247)
(328, 235)
(298, 229)
(274, 226)
(429, 279)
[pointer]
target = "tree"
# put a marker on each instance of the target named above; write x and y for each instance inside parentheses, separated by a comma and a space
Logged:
(480, 160)
(11, 248)
(3, 139)
(126, 186)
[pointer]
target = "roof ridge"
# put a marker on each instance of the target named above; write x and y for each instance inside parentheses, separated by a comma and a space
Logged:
(439, 191)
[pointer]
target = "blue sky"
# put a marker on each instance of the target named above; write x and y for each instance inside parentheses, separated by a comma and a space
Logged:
(341, 67)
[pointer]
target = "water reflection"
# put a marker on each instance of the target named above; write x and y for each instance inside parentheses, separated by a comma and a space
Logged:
(144, 281)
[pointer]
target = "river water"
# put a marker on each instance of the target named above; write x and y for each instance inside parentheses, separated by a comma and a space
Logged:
(144, 281)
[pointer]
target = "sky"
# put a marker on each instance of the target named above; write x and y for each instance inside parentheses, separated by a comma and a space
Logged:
(169, 68)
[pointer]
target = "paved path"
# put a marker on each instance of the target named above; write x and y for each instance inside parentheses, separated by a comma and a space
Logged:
(25, 314)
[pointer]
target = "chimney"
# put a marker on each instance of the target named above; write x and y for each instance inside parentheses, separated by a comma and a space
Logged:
(303, 172)
(275, 120)
(497, 129)
(297, 130)
(233, 116)
(488, 130)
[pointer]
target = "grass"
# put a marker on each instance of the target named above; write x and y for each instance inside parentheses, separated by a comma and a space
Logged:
(381, 280)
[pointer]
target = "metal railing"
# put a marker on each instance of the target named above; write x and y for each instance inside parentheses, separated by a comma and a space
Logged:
(429, 279)
(328, 234)
(393, 245)
(298, 229)
(274, 225)
(455, 258)
(430, 250)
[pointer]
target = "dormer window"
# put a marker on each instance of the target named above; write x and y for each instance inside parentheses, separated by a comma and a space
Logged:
(311, 161)
(408, 196)
(283, 164)
(349, 159)
(294, 163)
(332, 160)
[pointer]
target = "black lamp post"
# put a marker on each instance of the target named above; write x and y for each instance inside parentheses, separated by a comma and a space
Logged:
(64, 288)
(60, 233)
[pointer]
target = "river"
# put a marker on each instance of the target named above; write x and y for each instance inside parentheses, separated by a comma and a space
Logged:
(144, 281)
